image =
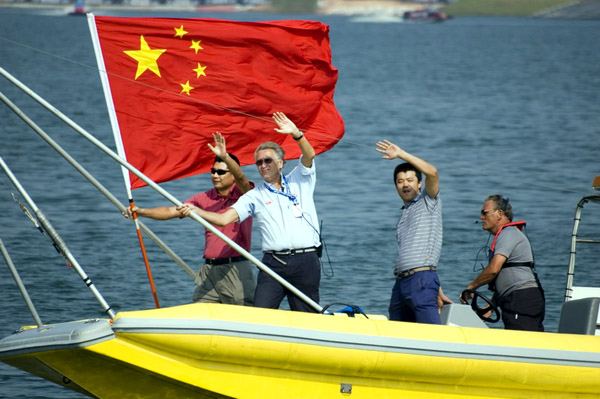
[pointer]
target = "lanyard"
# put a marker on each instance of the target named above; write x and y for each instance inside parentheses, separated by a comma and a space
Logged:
(286, 191)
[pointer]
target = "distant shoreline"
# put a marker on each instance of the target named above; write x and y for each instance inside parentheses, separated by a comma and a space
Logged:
(574, 9)
(154, 7)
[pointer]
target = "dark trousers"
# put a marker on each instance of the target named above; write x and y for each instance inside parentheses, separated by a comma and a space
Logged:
(523, 310)
(303, 271)
(414, 298)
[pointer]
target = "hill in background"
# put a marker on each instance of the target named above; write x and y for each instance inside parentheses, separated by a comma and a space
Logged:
(525, 8)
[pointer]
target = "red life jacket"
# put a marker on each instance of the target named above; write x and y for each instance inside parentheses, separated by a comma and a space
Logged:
(519, 225)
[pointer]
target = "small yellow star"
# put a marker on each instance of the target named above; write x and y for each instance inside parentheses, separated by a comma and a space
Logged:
(146, 58)
(180, 32)
(186, 88)
(200, 70)
(196, 45)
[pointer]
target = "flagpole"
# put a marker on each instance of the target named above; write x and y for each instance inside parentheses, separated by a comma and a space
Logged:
(119, 144)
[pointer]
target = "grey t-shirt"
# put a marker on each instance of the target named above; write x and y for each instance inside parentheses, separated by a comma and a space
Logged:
(515, 246)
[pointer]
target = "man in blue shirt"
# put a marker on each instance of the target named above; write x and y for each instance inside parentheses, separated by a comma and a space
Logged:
(284, 212)
(417, 294)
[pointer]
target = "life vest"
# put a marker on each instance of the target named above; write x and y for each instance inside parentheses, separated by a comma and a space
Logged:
(520, 225)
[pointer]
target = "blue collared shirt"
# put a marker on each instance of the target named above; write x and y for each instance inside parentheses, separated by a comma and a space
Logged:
(282, 223)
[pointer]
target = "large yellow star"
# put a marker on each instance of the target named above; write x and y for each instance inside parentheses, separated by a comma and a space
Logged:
(186, 88)
(200, 70)
(196, 45)
(180, 32)
(146, 58)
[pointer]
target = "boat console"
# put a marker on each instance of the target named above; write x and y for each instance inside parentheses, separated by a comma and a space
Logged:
(460, 315)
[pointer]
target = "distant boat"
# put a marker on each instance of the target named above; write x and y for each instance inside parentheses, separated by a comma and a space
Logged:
(79, 8)
(425, 15)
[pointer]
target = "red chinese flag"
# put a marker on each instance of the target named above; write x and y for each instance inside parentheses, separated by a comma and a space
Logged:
(174, 82)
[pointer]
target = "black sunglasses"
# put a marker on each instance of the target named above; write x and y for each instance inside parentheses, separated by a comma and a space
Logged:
(220, 172)
(267, 161)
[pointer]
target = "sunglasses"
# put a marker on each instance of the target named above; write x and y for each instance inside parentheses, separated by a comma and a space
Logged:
(220, 172)
(266, 161)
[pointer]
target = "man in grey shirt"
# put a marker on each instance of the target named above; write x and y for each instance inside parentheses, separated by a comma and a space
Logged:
(417, 294)
(511, 272)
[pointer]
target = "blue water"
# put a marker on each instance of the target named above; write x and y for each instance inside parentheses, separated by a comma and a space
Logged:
(499, 105)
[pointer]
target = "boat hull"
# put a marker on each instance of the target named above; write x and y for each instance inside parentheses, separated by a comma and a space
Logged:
(222, 351)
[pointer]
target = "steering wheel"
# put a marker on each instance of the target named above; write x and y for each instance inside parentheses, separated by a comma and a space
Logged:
(481, 311)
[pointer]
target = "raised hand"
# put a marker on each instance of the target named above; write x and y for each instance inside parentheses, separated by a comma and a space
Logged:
(220, 150)
(286, 126)
(389, 150)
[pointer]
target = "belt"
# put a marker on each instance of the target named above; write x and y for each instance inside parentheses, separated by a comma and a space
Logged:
(410, 272)
(292, 251)
(223, 261)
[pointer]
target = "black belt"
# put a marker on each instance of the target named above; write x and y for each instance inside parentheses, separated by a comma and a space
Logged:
(518, 264)
(223, 261)
(292, 251)
(410, 272)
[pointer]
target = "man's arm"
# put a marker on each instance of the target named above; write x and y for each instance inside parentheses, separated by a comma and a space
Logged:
(392, 151)
(286, 126)
(488, 274)
(158, 213)
(220, 150)
(218, 219)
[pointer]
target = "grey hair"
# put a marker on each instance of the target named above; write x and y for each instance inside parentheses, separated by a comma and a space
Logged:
(501, 203)
(279, 153)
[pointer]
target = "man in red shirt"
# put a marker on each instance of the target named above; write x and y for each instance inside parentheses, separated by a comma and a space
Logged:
(225, 276)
